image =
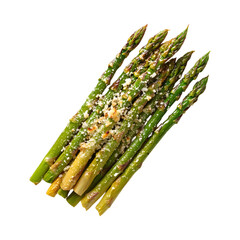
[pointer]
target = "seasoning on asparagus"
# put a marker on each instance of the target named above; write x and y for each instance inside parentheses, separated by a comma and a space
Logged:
(122, 180)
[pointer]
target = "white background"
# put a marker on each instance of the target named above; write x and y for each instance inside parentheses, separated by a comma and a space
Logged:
(51, 55)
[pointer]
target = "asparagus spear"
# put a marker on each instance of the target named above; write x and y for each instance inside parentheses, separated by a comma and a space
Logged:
(121, 164)
(68, 154)
(122, 180)
(167, 50)
(77, 120)
(104, 154)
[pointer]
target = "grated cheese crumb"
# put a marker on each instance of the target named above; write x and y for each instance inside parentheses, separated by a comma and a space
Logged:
(153, 75)
(66, 168)
(127, 82)
(84, 125)
(144, 89)
(107, 123)
(114, 114)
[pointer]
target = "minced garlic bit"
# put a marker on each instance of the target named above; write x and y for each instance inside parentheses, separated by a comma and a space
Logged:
(149, 98)
(86, 115)
(105, 135)
(114, 114)
(105, 79)
(92, 129)
(84, 125)
(144, 89)
(99, 96)
(66, 168)
(129, 98)
(153, 75)
(107, 123)
(127, 82)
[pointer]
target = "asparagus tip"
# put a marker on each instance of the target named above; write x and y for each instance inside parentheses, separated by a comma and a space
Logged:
(184, 33)
(205, 80)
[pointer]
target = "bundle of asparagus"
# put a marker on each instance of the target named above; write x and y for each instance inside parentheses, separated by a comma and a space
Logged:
(108, 139)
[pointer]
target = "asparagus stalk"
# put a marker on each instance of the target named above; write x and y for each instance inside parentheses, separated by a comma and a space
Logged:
(122, 180)
(69, 153)
(77, 120)
(167, 50)
(125, 159)
(104, 154)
